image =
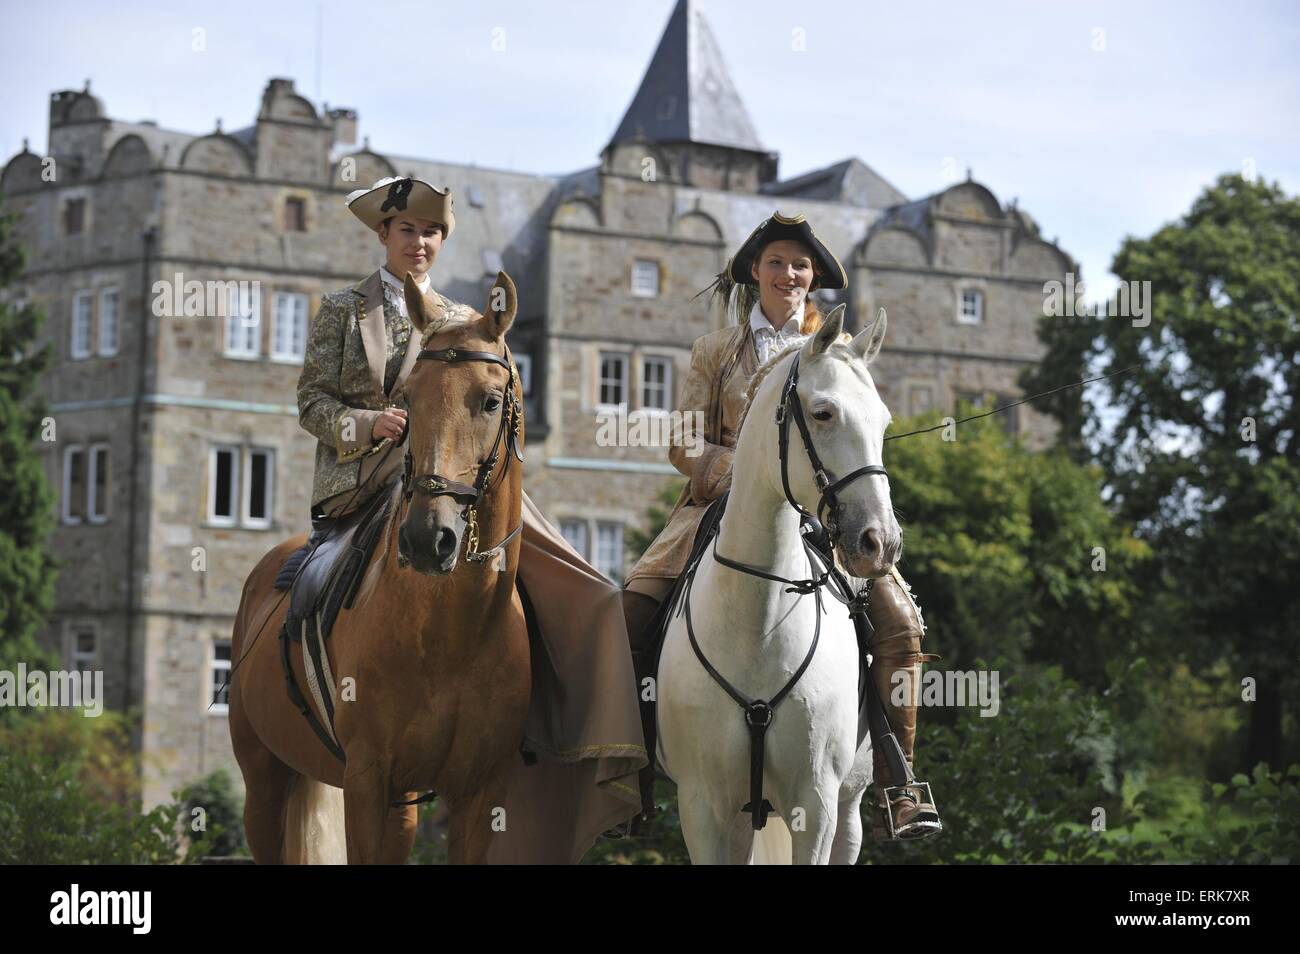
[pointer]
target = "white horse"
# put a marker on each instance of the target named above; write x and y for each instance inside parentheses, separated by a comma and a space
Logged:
(756, 635)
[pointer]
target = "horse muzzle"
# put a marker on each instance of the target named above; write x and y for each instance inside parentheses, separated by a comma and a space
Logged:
(430, 545)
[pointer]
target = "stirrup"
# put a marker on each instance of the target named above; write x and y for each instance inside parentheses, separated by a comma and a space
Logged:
(925, 823)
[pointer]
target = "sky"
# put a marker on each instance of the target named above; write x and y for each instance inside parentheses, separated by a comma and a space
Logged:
(1103, 119)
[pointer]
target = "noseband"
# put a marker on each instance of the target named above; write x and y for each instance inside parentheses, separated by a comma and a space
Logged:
(792, 407)
(435, 485)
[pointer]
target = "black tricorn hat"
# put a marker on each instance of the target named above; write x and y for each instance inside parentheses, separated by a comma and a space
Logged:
(775, 228)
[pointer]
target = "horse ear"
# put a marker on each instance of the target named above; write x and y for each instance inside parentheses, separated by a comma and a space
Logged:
(416, 307)
(502, 304)
(829, 333)
(867, 343)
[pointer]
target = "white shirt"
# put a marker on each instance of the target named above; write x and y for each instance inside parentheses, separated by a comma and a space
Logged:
(768, 340)
(392, 286)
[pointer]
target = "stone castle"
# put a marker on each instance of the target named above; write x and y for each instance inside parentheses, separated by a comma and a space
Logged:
(179, 460)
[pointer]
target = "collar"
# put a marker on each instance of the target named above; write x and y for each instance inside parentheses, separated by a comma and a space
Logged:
(759, 323)
(391, 279)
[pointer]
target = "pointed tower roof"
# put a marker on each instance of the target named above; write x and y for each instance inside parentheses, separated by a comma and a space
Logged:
(686, 94)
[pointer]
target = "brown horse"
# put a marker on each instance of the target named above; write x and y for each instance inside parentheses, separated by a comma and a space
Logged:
(431, 664)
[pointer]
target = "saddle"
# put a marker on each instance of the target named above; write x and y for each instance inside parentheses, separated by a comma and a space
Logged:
(323, 577)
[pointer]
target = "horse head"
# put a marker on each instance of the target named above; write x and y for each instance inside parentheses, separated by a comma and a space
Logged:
(846, 421)
(465, 413)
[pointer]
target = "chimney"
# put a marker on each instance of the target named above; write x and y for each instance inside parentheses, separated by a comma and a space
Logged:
(343, 122)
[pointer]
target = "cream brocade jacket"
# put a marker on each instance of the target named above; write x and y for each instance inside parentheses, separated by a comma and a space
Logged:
(722, 362)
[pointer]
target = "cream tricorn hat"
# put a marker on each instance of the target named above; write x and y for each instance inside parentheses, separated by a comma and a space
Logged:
(396, 194)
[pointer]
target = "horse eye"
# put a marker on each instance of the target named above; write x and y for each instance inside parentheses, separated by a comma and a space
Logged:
(822, 415)
(492, 403)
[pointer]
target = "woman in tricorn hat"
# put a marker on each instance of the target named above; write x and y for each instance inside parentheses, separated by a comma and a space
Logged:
(767, 284)
(583, 722)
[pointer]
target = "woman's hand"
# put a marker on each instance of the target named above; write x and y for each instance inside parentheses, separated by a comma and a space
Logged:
(388, 424)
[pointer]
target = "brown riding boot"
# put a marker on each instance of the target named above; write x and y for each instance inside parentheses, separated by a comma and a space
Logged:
(902, 811)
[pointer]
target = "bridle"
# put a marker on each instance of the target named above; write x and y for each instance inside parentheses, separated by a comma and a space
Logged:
(792, 407)
(471, 495)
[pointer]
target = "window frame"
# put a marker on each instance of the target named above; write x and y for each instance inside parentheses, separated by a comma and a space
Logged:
(639, 268)
(278, 299)
(300, 203)
(621, 558)
(94, 513)
(213, 518)
(246, 519)
(88, 296)
(581, 523)
(74, 657)
(113, 293)
(66, 516)
(624, 360)
(216, 665)
(978, 317)
(234, 313)
(666, 362)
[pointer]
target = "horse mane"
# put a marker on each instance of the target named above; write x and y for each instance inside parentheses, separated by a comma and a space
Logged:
(456, 314)
(839, 349)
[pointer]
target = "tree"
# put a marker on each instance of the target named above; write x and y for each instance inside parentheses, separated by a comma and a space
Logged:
(1012, 553)
(1200, 441)
(27, 569)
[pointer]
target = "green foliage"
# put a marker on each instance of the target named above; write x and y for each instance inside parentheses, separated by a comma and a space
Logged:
(1022, 786)
(1201, 442)
(70, 794)
(1001, 549)
(222, 814)
(638, 541)
(27, 505)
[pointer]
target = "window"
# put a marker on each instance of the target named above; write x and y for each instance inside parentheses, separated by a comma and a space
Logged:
(612, 387)
(74, 484)
(289, 334)
(645, 278)
(84, 650)
(243, 320)
(97, 484)
(608, 558)
(241, 484)
(81, 319)
(656, 384)
(475, 196)
(74, 216)
(920, 398)
(984, 401)
(108, 320)
(295, 215)
(219, 676)
(524, 362)
(221, 485)
(575, 532)
(257, 488)
(971, 308)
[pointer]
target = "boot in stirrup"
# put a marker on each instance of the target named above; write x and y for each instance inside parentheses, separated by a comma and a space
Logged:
(904, 810)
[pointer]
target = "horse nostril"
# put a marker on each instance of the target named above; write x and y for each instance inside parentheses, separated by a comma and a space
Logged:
(444, 544)
(869, 546)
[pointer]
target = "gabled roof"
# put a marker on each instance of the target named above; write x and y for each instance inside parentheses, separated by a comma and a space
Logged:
(686, 94)
(851, 181)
